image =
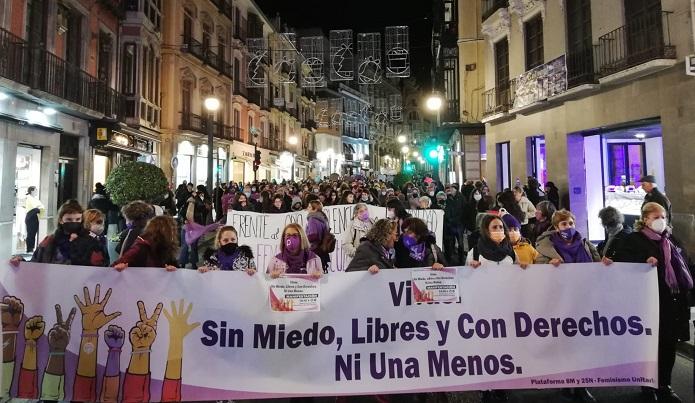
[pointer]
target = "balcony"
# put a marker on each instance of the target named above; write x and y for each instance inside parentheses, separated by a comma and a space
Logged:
(207, 56)
(497, 101)
(643, 41)
(580, 67)
(490, 6)
(256, 97)
(197, 123)
(43, 71)
(240, 30)
(225, 7)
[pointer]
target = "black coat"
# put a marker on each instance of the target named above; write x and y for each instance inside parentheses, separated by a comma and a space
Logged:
(368, 254)
(656, 196)
(637, 248)
(616, 244)
(404, 261)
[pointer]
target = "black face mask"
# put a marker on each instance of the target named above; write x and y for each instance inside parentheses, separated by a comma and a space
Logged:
(72, 227)
(229, 248)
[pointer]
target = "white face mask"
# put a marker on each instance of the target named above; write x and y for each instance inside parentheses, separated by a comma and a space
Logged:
(97, 229)
(659, 225)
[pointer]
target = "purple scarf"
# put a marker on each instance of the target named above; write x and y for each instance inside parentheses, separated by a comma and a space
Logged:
(677, 278)
(296, 264)
(225, 261)
(417, 251)
(573, 252)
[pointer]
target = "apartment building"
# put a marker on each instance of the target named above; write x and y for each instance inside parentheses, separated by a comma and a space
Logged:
(591, 95)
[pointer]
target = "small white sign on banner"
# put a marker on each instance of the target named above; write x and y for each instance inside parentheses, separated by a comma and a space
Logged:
(435, 285)
(295, 293)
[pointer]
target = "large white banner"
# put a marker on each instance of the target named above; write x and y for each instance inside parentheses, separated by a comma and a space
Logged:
(262, 232)
(146, 334)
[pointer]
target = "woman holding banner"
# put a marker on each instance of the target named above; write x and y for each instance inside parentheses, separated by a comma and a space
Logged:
(228, 255)
(295, 257)
(653, 243)
(493, 246)
(374, 252)
(357, 229)
(156, 247)
(417, 247)
(563, 244)
(396, 213)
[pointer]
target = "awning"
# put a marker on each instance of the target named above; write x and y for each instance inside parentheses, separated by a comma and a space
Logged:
(443, 133)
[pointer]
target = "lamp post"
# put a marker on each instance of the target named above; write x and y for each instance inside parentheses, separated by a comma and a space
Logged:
(211, 104)
(434, 104)
(293, 142)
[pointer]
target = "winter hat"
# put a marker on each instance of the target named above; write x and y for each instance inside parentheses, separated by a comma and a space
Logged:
(296, 199)
(441, 195)
(510, 221)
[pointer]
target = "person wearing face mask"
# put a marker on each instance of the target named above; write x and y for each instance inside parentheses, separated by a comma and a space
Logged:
(374, 251)
(298, 205)
(295, 257)
(357, 229)
(493, 245)
(89, 248)
(612, 221)
(34, 208)
(317, 229)
(55, 248)
(278, 205)
(417, 247)
(396, 213)
(653, 243)
(242, 203)
(424, 203)
(471, 210)
(414, 199)
(526, 254)
(563, 244)
(136, 214)
(227, 254)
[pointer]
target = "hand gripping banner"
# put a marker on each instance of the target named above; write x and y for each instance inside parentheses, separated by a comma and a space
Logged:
(95, 334)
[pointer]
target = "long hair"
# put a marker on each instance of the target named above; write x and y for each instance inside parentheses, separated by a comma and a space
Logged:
(400, 211)
(647, 209)
(381, 231)
(546, 208)
(302, 236)
(223, 230)
(416, 226)
(357, 208)
(161, 232)
(508, 201)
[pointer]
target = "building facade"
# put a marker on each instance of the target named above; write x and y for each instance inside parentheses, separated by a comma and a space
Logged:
(591, 95)
(57, 84)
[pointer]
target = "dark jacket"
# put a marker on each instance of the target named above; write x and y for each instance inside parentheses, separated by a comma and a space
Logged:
(102, 203)
(656, 196)
(316, 229)
(48, 249)
(128, 236)
(142, 254)
(404, 261)
(615, 243)
(673, 309)
(368, 254)
(453, 216)
(243, 261)
(89, 250)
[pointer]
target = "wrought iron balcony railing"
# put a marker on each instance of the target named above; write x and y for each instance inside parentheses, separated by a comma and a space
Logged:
(199, 124)
(497, 100)
(40, 69)
(641, 40)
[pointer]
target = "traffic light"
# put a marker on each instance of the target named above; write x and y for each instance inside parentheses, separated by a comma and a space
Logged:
(256, 160)
(431, 152)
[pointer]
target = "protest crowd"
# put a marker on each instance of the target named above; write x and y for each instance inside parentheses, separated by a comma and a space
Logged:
(522, 226)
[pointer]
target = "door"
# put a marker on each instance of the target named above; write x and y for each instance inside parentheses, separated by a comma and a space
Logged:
(643, 30)
(67, 183)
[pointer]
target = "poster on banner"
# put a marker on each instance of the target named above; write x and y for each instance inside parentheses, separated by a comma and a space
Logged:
(435, 285)
(295, 293)
(263, 232)
(145, 334)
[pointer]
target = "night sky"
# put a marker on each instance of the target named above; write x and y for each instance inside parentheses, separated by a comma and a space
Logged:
(363, 16)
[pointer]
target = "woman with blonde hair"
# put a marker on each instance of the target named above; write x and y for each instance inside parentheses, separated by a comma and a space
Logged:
(653, 243)
(357, 229)
(374, 252)
(157, 246)
(228, 255)
(295, 256)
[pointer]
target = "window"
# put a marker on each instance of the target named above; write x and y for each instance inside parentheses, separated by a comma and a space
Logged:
(237, 118)
(187, 25)
(504, 169)
(128, 72)
(502, 73)
(150, 74)
(533, 29)
(207, 37)
(580, 60)
(626, 163)
(186, 87)
(104, 58)
(153, 11)
(237, 76)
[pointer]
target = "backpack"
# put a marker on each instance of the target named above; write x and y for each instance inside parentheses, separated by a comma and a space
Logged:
(327, 242)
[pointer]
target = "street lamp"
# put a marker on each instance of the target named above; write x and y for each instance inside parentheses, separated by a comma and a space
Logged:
(211, 104)
(293, 141)
(401, 138)
(405, 149)
(434, 103)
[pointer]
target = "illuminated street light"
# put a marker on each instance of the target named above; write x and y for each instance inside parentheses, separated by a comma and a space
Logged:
(415, 153)
(211, 104)
(434, 103)
(405, 149)
(401, 138)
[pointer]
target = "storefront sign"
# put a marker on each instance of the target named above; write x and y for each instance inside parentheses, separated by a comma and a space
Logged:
(148, 335)
(102, 134)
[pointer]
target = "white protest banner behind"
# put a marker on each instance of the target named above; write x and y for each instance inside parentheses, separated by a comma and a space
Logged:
(262, 232)
(543, 327)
